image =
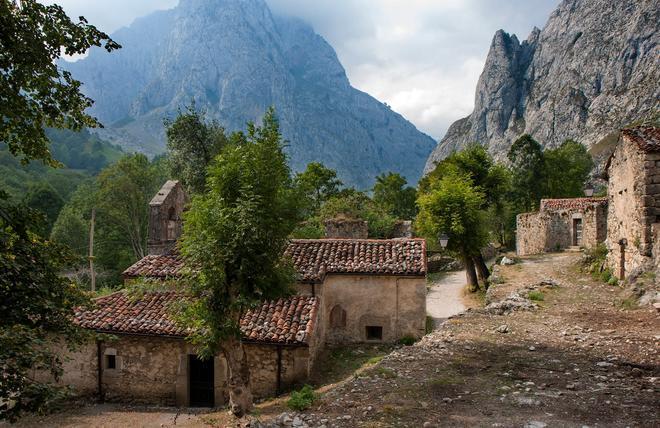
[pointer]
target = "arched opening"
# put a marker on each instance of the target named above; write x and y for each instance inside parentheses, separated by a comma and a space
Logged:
(171, 224)
(338, 317)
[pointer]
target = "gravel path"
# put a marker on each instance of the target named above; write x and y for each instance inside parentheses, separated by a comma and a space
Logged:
(445, 297)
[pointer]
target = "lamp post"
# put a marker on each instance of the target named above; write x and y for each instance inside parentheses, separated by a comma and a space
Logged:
(444, 240)
(588, 190)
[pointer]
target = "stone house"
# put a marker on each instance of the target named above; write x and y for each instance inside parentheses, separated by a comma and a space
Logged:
(350, 290)
(560, 224)
(633, 229)
(148, 359)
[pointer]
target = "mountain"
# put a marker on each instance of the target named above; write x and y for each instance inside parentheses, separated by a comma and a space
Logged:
(235, 58)
(593, 69)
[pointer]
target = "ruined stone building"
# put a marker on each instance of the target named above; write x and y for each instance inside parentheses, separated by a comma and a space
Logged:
(560, 224)
(350, 290)
(633, 227)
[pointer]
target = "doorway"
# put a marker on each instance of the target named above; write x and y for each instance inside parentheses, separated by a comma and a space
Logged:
(577, 232)
(200, 375)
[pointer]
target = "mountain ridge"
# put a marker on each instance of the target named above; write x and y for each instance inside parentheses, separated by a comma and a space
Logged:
(591, 70)
(235, 59)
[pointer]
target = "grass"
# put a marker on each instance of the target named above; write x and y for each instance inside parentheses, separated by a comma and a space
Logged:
(342, 362)
(385, 372)
(407, 341)
(535, 295)
(628, 304)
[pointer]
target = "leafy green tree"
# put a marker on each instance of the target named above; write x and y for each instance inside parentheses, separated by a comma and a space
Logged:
(452, 205)
(192, 143)
(392, 194)
(528, 172)
(317, 184)
(235, 234)
(34, 91)
(567, 169)
(353, 204)
(124, 192)
(36, 307)
(44, 198)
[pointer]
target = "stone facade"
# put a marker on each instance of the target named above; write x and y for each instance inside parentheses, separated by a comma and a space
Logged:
(346, 228)
(165, 222)
(155, 370)
(560, 224)
(634, 202)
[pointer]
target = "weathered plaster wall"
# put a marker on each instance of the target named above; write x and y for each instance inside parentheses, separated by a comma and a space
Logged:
(352, 302)
(634, 207)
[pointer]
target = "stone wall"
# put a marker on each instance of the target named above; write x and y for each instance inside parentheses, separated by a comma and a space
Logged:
(634, 207)
(353, 302)
(154, 370)
(546, 231)
(346, 228)
(165, 217)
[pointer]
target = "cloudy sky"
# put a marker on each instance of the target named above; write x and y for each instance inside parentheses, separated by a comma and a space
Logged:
(422, 57)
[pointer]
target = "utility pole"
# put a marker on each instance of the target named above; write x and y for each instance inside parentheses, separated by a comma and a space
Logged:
(92, 274)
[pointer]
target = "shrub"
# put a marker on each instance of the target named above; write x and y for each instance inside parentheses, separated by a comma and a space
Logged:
(302, 399)
(536, 296)
(613, 281)
(430, 325)
(407, 341)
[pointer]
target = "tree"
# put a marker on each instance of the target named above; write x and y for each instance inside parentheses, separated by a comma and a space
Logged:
(527, 166)
(124, 192)
(34, 91)
(36, 308)
(192, 143)
(235, 235)
(392, 194)
(317, 184)
(567, 169)
(453, 205)
(45, 199)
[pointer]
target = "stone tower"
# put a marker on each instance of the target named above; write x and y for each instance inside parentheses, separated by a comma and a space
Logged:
(165, 217)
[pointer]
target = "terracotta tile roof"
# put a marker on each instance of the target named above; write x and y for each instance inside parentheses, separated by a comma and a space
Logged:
(647, 138)
(314, 258)
(571, 203)
(156, 266)
(284, 321)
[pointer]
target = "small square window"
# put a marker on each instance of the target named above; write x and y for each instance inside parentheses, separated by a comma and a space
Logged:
(374, 332)
(111, 361)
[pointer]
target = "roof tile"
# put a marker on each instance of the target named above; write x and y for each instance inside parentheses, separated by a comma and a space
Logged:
(571, 203)
(647, 138)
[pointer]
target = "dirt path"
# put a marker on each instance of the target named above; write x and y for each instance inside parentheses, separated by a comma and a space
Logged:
(445, 296)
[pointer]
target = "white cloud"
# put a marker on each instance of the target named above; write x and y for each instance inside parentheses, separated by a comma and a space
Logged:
(422, 57)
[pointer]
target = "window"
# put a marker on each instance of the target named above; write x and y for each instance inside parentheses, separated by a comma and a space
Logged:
(374, 332)
(111, 361)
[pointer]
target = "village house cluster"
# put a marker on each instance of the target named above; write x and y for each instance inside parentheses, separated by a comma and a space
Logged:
(627, 221)
(350, 290)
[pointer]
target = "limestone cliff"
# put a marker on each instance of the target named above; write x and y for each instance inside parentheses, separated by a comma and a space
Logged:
(594, 68)
(234, 58)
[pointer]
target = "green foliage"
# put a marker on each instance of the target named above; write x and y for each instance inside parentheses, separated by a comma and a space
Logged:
(393, 196)
(302, 399)
(567, 169)
(535, 295)
(35, 92)
(528, 172)
(120, 196)
(453, 205)
(235, 234)
(407, 341)
(317, 184)
(36, 309)
(42, 197)
(192, 143)
(353, 204)
(82, 150)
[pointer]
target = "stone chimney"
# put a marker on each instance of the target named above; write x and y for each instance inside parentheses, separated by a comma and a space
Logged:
(165, 217)
(346, 228)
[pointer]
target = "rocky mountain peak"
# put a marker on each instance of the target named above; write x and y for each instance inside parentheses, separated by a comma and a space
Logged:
(591, 70)
(234, 58)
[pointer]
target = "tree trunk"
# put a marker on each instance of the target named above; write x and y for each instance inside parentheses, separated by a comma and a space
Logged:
(240, 396)
(482, 270)
(470, 273)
